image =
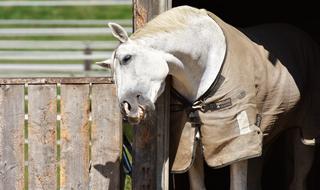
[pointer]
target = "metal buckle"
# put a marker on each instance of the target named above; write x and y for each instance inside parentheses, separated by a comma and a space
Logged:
(199, 105)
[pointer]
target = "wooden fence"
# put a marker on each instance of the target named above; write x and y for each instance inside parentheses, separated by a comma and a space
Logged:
(59, 133)
(65, 133)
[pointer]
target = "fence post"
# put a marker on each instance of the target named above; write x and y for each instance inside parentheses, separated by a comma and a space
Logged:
(87, 61)
(151, 140)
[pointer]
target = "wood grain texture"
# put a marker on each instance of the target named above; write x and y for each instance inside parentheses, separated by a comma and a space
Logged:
(55, 80)
(150, 155)
(74, 162)
(11, 137)
(145, 10)
(106, 138)
(163, 122)
(151, 148)
(42, 106)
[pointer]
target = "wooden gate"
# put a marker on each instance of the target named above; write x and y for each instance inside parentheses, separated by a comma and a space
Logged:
(65, 133)
(59, 133)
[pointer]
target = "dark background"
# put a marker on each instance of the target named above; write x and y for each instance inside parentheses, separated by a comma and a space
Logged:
(302, 14)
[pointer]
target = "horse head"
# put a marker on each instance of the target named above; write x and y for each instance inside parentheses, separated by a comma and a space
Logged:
(139, 74)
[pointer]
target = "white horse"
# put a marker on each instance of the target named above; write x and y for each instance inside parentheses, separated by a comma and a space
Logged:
(192, 46)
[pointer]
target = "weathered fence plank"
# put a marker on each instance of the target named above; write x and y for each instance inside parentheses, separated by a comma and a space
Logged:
(56, 45)
(163, 106)
(39, 68)
(74, 162)
(106, 135)
(55, 80)
(150, 149)
(52, 55)
(42, 122)
(150, 159)
(46, 22)
(75, 169)
(11, 137)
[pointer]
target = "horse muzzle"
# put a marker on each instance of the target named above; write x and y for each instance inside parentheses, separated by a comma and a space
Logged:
(135, 108)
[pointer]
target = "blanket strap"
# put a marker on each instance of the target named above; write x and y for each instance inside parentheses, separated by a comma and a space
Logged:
(200, 104)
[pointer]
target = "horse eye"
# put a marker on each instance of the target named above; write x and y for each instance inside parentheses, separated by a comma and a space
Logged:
(126, 59)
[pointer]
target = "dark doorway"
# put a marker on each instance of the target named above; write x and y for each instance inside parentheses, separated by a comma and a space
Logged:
(302, 14)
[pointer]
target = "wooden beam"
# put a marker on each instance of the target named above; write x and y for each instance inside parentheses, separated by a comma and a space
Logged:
(106, 138)
(82, 22)
(145, 10)
(42, 122)
(12, 137)
(56, 44)
(151, 139)
(55, 80)
(74, 160)
(52, 55)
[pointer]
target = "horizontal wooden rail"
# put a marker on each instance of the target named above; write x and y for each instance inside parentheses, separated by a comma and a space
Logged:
(53, 67)
(56, 45)
(53, 55)
(63, 22)
(56, 80)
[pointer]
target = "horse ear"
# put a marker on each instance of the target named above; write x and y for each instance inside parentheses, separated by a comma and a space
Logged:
(119, 32)
(173, 63)
(172, 59)
(106, 63)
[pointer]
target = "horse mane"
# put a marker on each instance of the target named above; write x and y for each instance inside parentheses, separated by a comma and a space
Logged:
(174, 19)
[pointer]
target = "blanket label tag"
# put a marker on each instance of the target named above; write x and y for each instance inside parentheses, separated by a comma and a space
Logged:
(243, 123)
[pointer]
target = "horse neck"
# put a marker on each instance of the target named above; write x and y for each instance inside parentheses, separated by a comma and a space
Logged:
(201, 49)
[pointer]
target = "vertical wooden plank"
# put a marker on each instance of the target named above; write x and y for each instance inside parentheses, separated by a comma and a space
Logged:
(42, 121)
(11, 137)
(74, 160)
(163, 106)
(151, 149)
(145, 10)
(150, 146)
(106, 138)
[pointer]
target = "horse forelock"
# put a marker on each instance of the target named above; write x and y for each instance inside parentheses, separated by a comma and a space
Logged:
(175, 19)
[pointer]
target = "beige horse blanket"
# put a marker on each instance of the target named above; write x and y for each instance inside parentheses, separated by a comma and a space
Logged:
(271, 82)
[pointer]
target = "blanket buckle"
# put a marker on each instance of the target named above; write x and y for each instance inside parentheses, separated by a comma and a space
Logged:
(199, 105)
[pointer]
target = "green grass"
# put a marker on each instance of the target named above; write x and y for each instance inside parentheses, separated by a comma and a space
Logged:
(58, 128)
(128, 130)
(49, 26)
(79, 12)
(128, 183)
(56, 25)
